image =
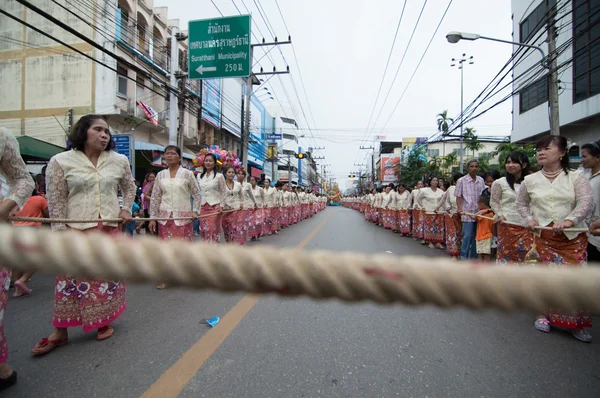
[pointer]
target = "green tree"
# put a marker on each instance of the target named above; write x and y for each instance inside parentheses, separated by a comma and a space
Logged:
(416, 168)
(444, 122)
(505, 148)
(450, 160)
(472, 142)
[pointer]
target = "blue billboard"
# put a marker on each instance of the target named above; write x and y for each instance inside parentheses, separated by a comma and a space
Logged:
(211, 101)
(256, 145)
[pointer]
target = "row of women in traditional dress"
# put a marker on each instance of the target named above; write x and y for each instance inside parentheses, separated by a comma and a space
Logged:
(556, 197)
(85, 182)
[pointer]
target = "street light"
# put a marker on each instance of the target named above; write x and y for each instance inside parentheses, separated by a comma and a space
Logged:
(461, 65)
(454, 37)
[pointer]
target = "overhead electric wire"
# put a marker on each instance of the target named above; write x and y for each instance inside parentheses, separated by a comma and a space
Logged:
(417, 67)
(387, 64)
(399, 66)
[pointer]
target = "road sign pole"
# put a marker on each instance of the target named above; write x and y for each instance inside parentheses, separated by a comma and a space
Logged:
(246, 129)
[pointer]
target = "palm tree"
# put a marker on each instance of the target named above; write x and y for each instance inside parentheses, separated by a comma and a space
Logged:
(471, 140)
(443, 125)
(450, 160)
(444, 122)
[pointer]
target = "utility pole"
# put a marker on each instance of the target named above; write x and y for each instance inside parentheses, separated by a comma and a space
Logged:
(173, 106)
(249, 84)
(553, 89)
(181, 105)
(461, 65)
(372, 162)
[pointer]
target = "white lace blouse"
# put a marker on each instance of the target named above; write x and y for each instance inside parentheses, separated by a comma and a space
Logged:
(568, 197)
(212, 188)
(259, 195)
(429, 199)
(20, 184)
(171, 197)
(77, 189)
(503, 200)
(233, 196)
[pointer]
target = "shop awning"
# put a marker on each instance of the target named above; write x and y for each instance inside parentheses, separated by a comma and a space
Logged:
(33, 147)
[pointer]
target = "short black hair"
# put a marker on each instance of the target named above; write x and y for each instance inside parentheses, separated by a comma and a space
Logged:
(78, 135)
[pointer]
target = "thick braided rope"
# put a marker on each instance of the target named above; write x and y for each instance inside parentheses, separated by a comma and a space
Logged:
(347, 276)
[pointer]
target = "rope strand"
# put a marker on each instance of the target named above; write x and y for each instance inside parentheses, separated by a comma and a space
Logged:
(348, 276)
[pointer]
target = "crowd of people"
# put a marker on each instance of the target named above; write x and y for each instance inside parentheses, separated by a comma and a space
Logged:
(549, 216)
(93, 182)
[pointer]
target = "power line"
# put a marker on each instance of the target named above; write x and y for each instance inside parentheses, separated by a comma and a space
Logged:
(387, 64)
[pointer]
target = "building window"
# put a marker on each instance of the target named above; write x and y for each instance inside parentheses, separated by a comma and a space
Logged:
(533, 95)
(586, 49)
(433, 152)
(121, 81)
(457, 151)
(535, 20)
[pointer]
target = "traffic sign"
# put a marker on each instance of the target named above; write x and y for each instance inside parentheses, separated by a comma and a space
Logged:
(274, 136)
(123, 145)
(219, 48)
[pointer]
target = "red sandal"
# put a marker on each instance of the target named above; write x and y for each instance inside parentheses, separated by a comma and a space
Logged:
(105, 332)
(46, 345)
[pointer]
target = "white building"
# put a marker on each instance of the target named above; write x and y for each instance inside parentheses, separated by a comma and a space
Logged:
(579, 73)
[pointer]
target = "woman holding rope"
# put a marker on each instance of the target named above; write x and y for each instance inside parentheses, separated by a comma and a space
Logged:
(82, 184)
(258, 221)
(249, 204)
(513, 240)
(20, 185)
(452, 221)
(233, 221)
(173, 188)
(559, 198)
(402, 205)
(433, 224)
(269, 208)
(417, 213)
(212, 192)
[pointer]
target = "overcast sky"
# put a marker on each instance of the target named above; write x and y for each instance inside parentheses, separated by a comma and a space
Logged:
(342, 47)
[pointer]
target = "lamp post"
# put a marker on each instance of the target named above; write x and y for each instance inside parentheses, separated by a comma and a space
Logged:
(460, 63)
(455, 37)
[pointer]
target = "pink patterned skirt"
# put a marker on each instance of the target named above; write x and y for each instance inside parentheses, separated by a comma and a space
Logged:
(235, 227)
(210, 227)
(89, 302)
(256, 223)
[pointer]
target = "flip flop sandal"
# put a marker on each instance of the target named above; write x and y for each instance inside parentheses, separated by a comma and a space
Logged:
(46, 345)
(108, 332)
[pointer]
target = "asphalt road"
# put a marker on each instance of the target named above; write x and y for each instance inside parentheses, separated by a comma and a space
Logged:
(299, 347)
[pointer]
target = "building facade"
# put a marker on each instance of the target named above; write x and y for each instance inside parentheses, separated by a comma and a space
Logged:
(46, 87)
(578, 44)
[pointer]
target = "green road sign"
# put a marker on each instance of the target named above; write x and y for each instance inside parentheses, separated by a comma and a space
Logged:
(219, 47)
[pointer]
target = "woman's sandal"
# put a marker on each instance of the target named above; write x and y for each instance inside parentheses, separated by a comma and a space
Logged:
(46, 345)
(105, 332)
